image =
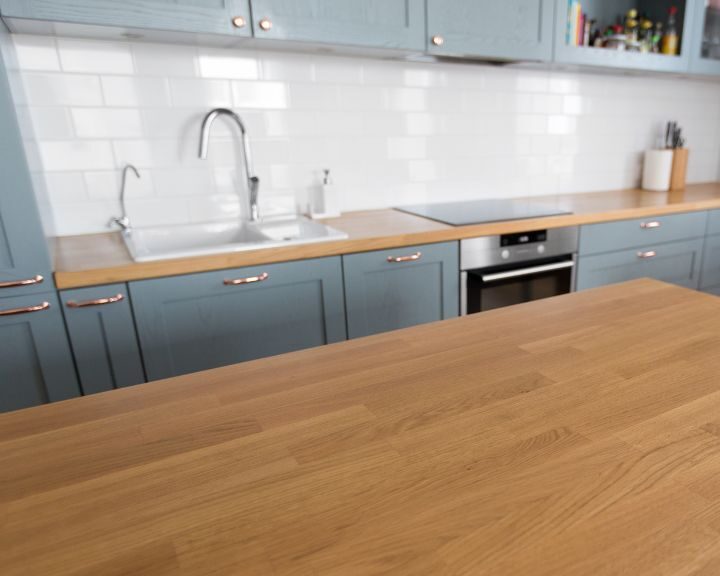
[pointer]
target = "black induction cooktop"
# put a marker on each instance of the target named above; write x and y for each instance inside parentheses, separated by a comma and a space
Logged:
(482, 211)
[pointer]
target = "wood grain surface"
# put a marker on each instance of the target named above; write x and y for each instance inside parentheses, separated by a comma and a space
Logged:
(578, 435)
(103, 259)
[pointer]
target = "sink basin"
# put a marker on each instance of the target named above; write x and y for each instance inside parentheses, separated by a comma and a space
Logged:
(180, 241)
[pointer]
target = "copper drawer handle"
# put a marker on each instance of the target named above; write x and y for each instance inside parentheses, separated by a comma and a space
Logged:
(648, 254)
(26, 310)
(250, 280)
(96, 302)
(27, 282)
(649, 225)
(412, 257)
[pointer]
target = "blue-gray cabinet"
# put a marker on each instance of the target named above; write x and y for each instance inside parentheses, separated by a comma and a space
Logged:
(230, 17)
(24, 260)
(606, 13)
(710, 277)
(705, 41)
(609, 236)
(102, 334)
(201, 321)
(391, 289)
(675, 262)
(508, 30)
(36, 365)
(397, 24)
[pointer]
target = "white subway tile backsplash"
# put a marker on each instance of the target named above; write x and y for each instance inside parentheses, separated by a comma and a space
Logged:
(68, 155)
(391, 132)
(260, 95)
(106, 123)
(105, 185)
(62, 90)
(406, 148)
(65, 187)
(36, 53)
(164, 60)
(51, 123)
(219, 63)
(195, 92)
(182, 182)
(95, 56)
(136, 92)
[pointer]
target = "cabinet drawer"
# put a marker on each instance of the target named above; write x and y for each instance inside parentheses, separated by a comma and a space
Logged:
(710, 275)
(35, 361)
(202, 321)
(391, 289)
(611, 236)
(713, 222)
(676, 262)
(103, 339)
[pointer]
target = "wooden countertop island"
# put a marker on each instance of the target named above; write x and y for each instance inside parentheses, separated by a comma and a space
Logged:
(571, 436)
(103, 258)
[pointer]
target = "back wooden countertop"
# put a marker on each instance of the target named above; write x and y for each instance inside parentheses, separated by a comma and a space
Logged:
(103, 259)
(570, 436)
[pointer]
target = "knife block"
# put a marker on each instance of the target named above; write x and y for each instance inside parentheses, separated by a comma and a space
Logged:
(678, 175)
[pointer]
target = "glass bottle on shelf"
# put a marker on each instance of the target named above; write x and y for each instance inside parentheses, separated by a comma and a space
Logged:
(657, 38)
(670, 38)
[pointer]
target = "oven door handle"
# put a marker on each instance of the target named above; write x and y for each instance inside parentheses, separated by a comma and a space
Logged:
(527, 271)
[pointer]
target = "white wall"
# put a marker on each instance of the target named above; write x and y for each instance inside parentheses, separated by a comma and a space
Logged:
(391, 132)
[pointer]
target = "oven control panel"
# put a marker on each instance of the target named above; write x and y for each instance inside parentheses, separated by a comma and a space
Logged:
(517, 247)
(523, 238)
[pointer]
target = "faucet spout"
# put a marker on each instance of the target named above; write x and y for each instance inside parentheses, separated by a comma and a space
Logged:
(252, 181)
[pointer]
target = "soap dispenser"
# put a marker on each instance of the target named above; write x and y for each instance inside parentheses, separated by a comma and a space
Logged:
(327, 203)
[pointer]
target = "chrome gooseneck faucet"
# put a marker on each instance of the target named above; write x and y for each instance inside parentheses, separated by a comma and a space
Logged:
(123, 221)
(253, 182)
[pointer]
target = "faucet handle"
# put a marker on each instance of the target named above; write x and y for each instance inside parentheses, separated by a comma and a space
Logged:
(121, 221)
(254, 188)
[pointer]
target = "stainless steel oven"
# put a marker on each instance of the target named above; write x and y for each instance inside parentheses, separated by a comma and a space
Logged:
(499, 271)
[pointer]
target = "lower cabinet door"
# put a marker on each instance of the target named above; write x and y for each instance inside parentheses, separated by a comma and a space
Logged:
(391, 289)
(675, 262)
(201, 321)
(714, 290)
(711, 263)
(103, 339)
(36, 365)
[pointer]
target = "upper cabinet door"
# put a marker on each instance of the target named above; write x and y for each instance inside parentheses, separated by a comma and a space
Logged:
(607, 13)
(24, 259)
(199, 16)
(396, 24)
(705, 46)
(508, 30)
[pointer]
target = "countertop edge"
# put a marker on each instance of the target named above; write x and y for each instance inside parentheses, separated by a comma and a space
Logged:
(134, 271)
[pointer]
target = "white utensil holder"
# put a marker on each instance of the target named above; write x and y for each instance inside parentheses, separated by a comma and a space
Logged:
(657, 170)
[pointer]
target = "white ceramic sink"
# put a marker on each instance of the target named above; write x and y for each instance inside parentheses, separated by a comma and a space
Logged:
(179, 241)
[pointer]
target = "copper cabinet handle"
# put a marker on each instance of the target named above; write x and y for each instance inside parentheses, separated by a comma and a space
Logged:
(648, 254)
(250, 280)
(96, 302)
(649, 225)
(398, 259)
(437, 40)
(27, 282)
(239, 22)
(25, 310)
(265, 24)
